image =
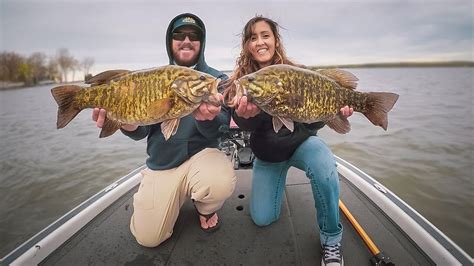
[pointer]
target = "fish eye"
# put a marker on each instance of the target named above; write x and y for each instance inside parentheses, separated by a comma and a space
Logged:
(251, 79)
(202, 78)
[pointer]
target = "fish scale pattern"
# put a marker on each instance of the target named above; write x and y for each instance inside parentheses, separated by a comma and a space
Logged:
(130, 99)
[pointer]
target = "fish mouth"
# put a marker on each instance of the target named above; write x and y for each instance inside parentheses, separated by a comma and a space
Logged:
(235, 93)
(215, 100)
(213, 97)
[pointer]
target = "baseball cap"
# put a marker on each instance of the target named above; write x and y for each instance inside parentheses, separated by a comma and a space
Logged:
(186, 21)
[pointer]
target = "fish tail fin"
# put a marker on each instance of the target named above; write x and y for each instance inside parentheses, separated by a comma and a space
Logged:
(379, 104)
(64, 96)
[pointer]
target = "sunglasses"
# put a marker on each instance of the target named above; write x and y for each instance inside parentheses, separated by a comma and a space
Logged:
(180, 36)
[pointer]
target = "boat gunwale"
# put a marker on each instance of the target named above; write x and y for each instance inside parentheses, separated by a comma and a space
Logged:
(45, 242)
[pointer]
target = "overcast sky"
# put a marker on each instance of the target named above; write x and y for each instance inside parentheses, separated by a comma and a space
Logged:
(131, 34)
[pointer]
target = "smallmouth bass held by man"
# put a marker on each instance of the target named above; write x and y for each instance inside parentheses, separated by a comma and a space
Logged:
(163, 94)
(290, 93)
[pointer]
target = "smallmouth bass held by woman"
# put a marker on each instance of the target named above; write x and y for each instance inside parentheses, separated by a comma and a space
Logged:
(290, 93)
(163, 94)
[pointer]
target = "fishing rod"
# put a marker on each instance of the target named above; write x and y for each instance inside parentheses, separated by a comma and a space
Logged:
(378, 258)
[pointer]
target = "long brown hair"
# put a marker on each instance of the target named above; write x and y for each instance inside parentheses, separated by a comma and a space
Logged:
(245, 64)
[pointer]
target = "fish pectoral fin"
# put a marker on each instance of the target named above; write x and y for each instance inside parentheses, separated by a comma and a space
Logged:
(159, 108)
(169, 127)
(278, 123)
(109, 127)
(340, 124)
(344, 78)
(106, 76)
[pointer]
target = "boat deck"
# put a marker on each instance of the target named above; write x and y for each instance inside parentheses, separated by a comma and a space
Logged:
(292, 240)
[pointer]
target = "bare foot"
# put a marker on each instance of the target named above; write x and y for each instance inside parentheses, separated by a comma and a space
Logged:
(210, 223)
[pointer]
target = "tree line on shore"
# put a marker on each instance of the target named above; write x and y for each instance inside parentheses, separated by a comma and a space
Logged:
(38, 67)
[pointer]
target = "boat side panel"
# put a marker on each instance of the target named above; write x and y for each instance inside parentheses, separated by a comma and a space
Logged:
(433, 242)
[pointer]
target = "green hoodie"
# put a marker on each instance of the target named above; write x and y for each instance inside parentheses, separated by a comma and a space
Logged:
(192, 135)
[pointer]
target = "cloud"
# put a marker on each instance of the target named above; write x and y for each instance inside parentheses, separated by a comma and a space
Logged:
(314, 32)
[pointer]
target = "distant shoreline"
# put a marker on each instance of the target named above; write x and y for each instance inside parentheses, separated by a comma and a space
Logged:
(400, 64)
(392, 65)
(5, 85)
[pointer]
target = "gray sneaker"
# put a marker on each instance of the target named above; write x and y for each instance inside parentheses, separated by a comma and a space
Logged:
(332, 255)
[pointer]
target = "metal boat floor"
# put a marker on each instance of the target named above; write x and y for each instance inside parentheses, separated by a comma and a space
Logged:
(292, 240)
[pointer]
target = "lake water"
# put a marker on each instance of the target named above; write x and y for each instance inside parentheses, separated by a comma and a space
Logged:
(425, 157)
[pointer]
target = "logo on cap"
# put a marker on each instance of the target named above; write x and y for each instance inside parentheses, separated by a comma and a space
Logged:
(189, 20)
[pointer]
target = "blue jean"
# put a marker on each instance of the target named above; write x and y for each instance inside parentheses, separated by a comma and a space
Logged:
(268, 184)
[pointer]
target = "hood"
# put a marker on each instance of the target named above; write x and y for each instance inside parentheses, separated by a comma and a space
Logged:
(201, 63)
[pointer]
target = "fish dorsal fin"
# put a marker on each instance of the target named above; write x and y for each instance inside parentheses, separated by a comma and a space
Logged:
(107, 76)
(340, 124)
(278, 123)
(344, 78)
(109, 127)
(159, 108)
(169, 127)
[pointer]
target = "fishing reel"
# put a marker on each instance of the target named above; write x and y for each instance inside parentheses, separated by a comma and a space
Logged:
(236, 144)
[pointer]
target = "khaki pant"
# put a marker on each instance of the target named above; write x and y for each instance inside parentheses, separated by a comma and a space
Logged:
(208, 178)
